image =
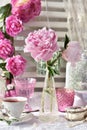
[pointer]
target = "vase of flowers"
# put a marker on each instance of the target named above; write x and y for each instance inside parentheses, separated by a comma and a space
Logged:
(42, 44)
(13, 15)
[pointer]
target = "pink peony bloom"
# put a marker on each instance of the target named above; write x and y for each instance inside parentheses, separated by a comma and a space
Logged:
(6, 48)
(73, 52)
(1, 35)
(13, 25)
(41, 44)
(26, 9)
(16, 65)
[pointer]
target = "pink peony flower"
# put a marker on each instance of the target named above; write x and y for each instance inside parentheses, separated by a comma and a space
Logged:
(16, 65)
(26, 9)
(1, 35)
(73, 52)
(41, 44)
(13, 25)
(6, 48)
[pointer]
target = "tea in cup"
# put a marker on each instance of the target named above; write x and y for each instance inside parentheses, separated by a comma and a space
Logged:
(15, 105)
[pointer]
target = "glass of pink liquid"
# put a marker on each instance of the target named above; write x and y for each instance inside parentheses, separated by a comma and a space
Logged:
(25, 88)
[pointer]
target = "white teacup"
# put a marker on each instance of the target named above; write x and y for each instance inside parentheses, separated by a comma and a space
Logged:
(15, 105)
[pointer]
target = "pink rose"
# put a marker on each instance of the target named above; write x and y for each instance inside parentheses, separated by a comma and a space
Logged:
(6, 48)
(26, 9)
(41, 44)
(16, 65)
(73, 52)
(13, 25)
(1, 35)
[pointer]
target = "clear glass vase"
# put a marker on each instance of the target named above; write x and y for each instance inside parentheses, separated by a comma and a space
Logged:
(41, 65)
(49, 101)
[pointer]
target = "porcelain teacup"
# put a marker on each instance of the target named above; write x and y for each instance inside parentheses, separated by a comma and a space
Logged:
(15, 105)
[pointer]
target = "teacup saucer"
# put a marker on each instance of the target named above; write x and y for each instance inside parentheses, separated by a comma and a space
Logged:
(10, 120)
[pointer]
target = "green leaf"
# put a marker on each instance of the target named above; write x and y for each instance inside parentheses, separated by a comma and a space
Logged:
(2, 66)
(9, 121)
(51, 70)
(56, 72)
(55, 59)
(66, 41)
(6, 74)
(47, 91)
(5, 11)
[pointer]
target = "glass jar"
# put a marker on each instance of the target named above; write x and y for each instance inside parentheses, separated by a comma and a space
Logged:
(76, 76)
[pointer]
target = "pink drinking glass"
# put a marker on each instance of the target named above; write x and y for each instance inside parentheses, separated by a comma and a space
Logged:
(65, 98)
(25, 87)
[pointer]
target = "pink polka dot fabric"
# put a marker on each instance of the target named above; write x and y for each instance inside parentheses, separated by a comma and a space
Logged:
(65, 98)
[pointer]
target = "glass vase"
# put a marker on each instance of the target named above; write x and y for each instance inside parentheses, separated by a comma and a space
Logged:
(41, 65)
(49, 101)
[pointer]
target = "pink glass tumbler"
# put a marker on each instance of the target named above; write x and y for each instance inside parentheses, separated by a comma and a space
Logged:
(65, 98)
(25, 87)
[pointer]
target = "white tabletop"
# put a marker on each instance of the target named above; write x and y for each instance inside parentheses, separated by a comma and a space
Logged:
(34, 122)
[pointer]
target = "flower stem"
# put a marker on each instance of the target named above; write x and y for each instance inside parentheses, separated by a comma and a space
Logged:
(52, 63)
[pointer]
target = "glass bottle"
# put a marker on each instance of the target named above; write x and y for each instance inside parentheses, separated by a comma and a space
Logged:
(49, 101)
